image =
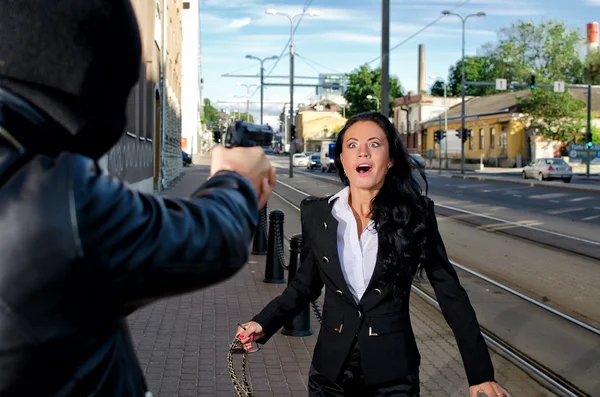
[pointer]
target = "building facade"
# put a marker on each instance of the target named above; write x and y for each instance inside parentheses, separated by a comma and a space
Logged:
(148, 157)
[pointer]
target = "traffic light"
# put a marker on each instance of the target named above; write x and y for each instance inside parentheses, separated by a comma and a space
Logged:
(532, 82)
(216, 136)
(292, 132)
(437, 135)
(465, 136)
(588, 139)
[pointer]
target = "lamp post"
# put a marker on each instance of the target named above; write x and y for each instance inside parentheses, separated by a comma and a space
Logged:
(248, 86)
(377, 99)
(272, 11)
(463, 83)
(262, 74)
(445, 115)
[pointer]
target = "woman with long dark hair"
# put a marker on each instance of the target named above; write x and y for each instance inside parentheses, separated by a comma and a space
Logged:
(365, 245)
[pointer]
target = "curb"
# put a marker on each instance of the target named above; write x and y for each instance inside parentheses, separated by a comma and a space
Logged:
(531, 183)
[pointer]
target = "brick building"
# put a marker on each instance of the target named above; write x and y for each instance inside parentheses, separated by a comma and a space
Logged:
(148, 157)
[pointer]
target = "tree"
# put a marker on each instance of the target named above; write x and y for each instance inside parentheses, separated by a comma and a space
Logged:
(242, 116)
(477, 68)
(550, 51)
(437, 89)
(211, 114)
(364, 81)
(556, 116)
(591, 69)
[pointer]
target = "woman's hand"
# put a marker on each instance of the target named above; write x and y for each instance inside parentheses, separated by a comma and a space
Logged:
(248, 333)
(491, 389)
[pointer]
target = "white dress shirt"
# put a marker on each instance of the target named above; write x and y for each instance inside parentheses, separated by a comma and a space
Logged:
(358, 256)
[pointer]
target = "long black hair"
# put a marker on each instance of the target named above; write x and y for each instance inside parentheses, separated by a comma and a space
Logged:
(399, 210)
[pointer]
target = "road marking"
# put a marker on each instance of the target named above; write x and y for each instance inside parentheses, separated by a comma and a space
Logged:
(589, 218)
(487, 217)
(554, 201)
(517, 195)
(566, 210)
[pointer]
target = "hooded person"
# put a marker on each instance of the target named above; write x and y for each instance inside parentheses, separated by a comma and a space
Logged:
(80, 251)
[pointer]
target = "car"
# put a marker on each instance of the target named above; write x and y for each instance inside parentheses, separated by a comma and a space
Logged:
(548, 169)
(186, 159)
(299, 160)
(418, 159)
(314, 162)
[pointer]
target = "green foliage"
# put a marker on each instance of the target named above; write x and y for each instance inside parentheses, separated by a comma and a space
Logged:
(591, 71)
(477, 68)
(364, 81)
(437, 89)
(211, 114)
(556, 116)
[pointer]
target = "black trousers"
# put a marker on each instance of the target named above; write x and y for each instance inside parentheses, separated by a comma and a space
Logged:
(351, 383)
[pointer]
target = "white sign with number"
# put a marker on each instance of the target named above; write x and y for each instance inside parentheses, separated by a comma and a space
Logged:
(559, 86)
(501, 84)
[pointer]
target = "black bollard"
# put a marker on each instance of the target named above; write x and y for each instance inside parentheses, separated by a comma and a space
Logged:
(259, 244)
(299, 325)
(273, 268)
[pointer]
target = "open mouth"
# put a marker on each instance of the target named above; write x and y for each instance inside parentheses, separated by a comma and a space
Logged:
(363, 168)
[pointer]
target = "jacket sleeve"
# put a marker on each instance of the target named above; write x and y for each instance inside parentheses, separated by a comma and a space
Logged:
(303, 289)
(144, 247)
(456, 307)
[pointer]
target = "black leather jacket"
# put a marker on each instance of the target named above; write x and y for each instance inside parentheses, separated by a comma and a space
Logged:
(79, 251)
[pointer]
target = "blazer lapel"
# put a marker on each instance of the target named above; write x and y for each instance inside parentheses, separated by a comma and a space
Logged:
(332, 266)
(377, 271)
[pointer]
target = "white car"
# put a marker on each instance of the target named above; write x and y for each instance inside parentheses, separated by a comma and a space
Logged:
(299, 160)
(548, 169)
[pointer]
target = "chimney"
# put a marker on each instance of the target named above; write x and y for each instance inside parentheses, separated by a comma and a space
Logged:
(422, 89)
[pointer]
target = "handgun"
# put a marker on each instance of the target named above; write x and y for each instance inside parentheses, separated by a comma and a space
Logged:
(245, 134)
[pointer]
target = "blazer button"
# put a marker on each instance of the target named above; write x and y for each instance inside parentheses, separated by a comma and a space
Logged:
(338, 292)
(359, 314)
(325, 259)
(325, 225)
(377, 291)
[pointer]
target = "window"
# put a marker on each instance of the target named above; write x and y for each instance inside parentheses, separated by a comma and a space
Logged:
(503, 138)
(471, 142)
(481, 139)
(402, 128)
(415, 127)
(492, 137)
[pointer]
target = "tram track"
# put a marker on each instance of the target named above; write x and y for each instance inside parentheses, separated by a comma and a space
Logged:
(545, 374)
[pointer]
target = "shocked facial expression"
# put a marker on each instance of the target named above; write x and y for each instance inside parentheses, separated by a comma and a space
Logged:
(365, 155)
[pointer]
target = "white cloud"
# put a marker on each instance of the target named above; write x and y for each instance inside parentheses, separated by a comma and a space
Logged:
(238, 23)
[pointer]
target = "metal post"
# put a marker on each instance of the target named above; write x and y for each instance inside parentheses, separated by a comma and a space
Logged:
(385, 60)
(291, 175)
(262, 88)
(259, 243)
(299, 325)
(446, 124)
(273, 268)
(248, 108)
(462, 111)
(440, 142)
(589, 129)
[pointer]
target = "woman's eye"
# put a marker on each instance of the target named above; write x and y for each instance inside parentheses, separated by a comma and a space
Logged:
(352, 145)
(374, 144)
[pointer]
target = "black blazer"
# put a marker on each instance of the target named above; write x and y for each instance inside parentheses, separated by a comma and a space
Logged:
(380, 323)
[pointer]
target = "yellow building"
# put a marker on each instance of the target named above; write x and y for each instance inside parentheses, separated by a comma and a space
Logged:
(318, 120)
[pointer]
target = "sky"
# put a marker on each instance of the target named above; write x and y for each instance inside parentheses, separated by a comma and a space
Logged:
(345, 35)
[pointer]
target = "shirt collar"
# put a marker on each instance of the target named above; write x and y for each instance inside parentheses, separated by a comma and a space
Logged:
(342, 195)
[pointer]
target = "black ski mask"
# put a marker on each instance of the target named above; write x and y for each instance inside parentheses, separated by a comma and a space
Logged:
(77, 62)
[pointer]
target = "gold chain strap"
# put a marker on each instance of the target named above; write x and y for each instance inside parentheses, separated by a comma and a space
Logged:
(242, 388)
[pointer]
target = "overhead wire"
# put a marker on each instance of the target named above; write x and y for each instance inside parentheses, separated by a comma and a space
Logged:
(430, 24)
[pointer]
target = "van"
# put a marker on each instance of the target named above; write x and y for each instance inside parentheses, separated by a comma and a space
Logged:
(328, 157)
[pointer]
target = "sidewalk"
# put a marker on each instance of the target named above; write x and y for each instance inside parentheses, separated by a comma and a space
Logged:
(182, 342)
(593, 187)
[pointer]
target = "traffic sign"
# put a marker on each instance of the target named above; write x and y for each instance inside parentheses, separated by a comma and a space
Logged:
(559, 86)
(501, 84)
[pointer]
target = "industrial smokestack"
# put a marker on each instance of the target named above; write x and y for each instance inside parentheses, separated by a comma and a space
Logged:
(422, 89)
(592, 36)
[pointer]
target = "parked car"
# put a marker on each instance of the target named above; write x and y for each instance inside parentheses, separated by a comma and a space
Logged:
(418, 158)
(186, 159)
(548, 169)
(299, 160)
(314, 161)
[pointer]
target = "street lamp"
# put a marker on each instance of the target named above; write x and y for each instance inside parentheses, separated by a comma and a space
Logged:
(248, 86)
(377, 99)
(463, 83)
(262, 72)
(435, 78)
(272, 11)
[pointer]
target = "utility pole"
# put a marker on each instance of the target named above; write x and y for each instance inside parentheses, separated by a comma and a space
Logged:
(262, 78)
(385, 59)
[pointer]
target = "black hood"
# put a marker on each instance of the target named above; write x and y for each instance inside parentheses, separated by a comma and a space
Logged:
(75, 60)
